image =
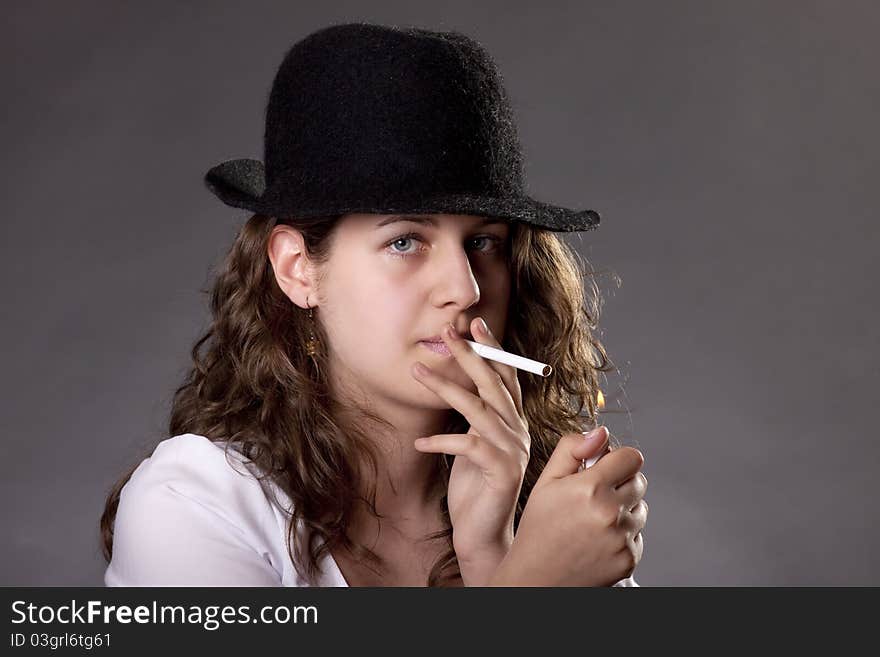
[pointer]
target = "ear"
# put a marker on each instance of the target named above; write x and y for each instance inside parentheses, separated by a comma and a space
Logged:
(293, 271)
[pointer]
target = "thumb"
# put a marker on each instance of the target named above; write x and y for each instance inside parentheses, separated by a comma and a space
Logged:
(593, 444)
(570, 451)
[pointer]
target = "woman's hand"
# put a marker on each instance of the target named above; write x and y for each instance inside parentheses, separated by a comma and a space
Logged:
(491, 458)
(580, 528)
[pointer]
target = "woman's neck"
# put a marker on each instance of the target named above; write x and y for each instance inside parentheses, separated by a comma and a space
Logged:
(407, 481)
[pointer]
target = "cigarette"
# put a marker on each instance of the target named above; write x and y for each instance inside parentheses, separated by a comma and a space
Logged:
(501, 356)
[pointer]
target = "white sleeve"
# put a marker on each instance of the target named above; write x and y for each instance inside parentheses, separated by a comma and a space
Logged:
(627, 583)
(187, 518)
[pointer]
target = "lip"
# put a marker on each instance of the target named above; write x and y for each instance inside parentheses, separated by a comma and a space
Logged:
(437, 347)
(436, 344)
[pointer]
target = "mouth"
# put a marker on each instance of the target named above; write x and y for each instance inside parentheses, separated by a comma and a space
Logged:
(436, 344)
(436, 347)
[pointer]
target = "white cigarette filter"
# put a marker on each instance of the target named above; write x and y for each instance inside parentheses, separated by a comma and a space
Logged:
(501, 356)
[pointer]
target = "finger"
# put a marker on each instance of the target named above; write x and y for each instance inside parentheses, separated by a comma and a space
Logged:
(593, 444)
(618, 466)
(640, 514)
(493, 388)
(475, 410)
(507, 372)
(483, 453)
(631, 553)
(631, 492)
(561, 463)
(636, 518)
(637, 545)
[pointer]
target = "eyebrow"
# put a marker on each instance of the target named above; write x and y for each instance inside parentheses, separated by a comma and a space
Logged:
(418, 219)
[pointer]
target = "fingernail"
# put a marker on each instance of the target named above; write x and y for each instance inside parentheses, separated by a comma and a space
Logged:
(596, 433)
(483, 327)
(451, 332)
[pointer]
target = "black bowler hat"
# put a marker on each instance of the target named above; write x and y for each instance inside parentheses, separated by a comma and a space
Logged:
(367, 118)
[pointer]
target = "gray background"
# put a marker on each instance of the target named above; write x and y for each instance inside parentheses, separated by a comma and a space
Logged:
(731, 148)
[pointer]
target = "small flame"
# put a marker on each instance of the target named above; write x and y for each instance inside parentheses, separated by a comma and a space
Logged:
(600, 401)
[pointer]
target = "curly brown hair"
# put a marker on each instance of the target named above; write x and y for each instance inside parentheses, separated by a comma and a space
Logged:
(253, 355)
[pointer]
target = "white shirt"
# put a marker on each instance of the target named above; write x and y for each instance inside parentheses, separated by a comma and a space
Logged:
(189, 517)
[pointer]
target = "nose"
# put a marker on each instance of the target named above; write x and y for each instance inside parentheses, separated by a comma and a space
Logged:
(456, 282)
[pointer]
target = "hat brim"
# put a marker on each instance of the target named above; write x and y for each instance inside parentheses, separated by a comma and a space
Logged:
(241, 183)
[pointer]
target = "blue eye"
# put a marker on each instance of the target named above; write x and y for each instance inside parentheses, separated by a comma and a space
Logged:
(494, 243)
(397, 241)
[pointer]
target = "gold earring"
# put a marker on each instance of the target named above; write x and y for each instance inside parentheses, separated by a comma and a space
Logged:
(312, 344)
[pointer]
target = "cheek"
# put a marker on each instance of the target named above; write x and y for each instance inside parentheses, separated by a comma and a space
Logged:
(375, 317)
(393, 309)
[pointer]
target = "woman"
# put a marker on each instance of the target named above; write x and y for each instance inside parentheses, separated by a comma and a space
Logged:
(308, 448)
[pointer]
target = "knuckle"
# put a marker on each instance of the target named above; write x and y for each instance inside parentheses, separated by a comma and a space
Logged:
(641, 457)
(639, 517)
(637, 457)
(631, 456)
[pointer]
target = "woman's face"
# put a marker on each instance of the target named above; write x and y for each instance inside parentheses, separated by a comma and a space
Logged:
(392, 282)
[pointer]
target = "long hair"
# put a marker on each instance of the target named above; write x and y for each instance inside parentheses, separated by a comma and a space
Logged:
(253, 385)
